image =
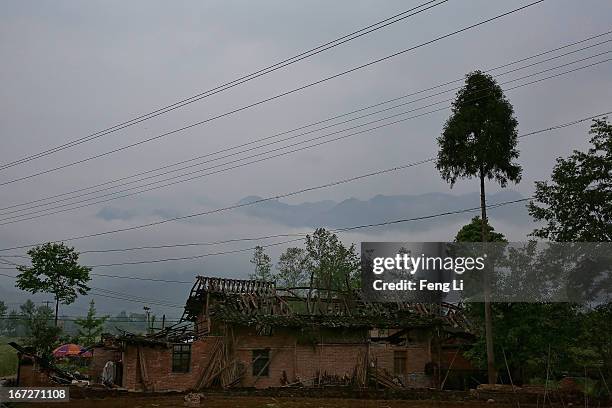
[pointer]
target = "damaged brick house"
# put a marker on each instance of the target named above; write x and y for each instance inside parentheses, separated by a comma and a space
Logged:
(248, 333)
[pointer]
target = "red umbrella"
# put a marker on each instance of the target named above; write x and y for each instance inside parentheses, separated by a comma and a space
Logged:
(71, 350)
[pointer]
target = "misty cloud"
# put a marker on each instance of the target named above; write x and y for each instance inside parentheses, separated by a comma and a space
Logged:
(113, 213)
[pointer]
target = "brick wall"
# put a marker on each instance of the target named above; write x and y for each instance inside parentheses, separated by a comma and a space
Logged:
(303, 361)
(100, 357)
(32, 375)
(417, 356)
(158, 362)
(281, 347)
(328, 359)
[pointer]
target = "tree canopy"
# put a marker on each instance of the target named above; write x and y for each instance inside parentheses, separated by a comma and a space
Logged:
(55, 269)
(293, 268)
(472, 232)
(576, 205)
(332, 266)
(480, 136)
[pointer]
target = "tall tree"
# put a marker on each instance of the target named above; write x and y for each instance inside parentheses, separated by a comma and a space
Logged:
(55, 269)
(262, 265)
(577, 204)
(91, 327)
(479, 140)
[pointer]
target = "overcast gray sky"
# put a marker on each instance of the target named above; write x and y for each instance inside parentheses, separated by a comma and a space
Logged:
(72, 68)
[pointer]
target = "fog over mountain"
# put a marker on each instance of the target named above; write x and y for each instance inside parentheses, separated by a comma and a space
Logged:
(381, 208)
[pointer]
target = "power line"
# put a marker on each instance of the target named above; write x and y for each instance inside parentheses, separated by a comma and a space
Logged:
(336, 230)
(320, 122)
(7, 262)
(227, 241)
(340, 230)
(142, 279)
(145, 302)
(132, 296)
(284, 139)
(223, 87)
(182, 258)
(326, 79)
(217, 210)
(159, 302)
(49, 211)
(124, 296)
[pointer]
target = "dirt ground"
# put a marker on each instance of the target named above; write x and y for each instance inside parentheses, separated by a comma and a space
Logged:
(258, 402)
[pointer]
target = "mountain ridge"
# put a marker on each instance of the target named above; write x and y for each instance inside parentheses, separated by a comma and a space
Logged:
(381, 208)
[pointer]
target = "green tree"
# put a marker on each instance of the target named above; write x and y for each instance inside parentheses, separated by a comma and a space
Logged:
(524, 334)
(91, 327)
(480, 137)
(55, 269)
(472, 232)
(479, 140)
(331, 266)
(523, 331)
(292, 266)
(576, 206)
(595, 339)
(41, 334)
(262, 264)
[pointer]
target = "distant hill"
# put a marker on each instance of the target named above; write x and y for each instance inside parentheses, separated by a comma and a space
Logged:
(382, 208)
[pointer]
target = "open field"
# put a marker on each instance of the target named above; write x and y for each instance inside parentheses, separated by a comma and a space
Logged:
(8, 358)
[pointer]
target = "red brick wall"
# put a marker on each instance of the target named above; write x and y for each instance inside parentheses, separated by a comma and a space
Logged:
(159, 366)
(417, 356)
(32, 375)
(100, 357)
(330, 359)
(303, 361)
(282, 351)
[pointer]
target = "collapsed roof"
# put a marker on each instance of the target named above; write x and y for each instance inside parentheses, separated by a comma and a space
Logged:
(260, 303)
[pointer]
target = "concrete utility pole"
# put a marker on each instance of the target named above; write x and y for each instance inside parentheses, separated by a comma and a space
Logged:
(491, 372)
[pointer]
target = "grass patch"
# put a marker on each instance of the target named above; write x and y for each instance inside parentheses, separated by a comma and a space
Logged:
(8, 358)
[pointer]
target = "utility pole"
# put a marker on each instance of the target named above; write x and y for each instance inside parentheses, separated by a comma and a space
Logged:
(147, 309)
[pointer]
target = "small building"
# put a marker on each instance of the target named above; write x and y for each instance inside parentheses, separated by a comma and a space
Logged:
(247, 333)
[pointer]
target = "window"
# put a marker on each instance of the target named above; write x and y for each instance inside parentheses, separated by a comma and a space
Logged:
(181, 358)
(261, 363)
(399, 362)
